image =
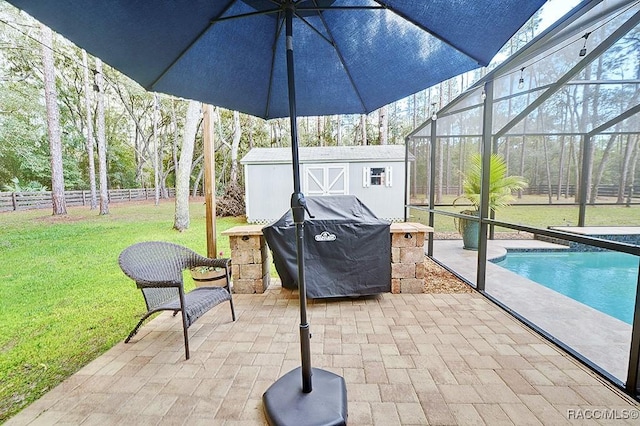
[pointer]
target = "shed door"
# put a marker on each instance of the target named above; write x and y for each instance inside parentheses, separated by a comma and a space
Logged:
(326, 179)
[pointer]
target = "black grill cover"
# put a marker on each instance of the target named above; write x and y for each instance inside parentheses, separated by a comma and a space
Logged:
(347, 248)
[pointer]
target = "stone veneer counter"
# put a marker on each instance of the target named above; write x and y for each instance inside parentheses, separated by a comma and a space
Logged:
(250, 258)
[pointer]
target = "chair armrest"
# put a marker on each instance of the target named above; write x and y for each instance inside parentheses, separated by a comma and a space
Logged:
(201, 261)
(161, 264)
(142, 283)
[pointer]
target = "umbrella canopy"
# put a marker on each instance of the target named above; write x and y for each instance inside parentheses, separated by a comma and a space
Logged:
(352, 56)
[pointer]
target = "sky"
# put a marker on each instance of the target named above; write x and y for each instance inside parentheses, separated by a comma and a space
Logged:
(552, 10)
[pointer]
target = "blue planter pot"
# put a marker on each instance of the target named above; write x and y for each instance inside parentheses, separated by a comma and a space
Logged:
(470, 231)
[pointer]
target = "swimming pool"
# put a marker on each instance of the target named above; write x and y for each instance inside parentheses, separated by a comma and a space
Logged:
(606, 281)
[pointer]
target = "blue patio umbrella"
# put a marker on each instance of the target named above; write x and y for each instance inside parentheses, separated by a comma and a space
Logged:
(352, 56)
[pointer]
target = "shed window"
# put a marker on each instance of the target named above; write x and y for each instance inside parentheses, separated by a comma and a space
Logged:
(376, 176)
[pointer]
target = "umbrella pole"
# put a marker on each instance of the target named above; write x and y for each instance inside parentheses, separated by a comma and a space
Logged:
(284, 404)
(298, 207)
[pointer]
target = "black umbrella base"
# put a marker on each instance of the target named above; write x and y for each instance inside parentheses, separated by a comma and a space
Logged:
(286, 404)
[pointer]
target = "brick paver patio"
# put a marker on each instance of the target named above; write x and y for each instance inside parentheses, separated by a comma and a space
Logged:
(409, 359)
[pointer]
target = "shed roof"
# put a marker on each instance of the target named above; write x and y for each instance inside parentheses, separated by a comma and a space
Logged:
(325, 154)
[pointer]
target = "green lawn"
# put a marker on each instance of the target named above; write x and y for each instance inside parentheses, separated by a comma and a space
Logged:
(63, 297)
(543, 216)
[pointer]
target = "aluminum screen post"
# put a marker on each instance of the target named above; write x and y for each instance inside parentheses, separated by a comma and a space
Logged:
(407, 176)
(432, 184)
(487, 118)
(633, 385)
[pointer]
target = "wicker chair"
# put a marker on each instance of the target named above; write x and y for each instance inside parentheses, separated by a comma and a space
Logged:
(157, 269)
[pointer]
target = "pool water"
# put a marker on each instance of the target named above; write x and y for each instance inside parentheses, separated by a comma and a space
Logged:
(606, 281)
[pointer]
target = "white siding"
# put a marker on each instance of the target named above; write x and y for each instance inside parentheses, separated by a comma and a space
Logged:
(387, 202)
(268, 191)
(269, 180)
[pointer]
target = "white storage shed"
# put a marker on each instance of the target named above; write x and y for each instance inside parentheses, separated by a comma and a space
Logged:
(373, 173)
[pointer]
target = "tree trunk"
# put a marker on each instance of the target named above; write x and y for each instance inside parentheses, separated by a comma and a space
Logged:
(251, 143)
(102, 143)
(576, 165)
(447, 178)
(198, 179)
(624, 173)
(574, 153)
(90, 138)
(561, 167)
(139, 158)
(461, 156)
(632, 172)
(536, 168)
(156, 160)
(584, 119)
(183, 173)
(237, 134)
(594, 183)
(414, 111)
(548, 169)
(363, 128)
(383, 125)
(569, 157)
(506, 152)
(601, 166)
(427, 102)
(176, 137)
(524, 132)
(320, 121)
(509, 112)
(339, 130)
(53, 123)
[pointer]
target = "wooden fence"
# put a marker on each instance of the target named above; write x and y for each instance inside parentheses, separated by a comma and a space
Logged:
(543, 189)
(42, 200)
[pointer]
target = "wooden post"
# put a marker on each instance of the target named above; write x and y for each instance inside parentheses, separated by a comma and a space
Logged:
(209, 180)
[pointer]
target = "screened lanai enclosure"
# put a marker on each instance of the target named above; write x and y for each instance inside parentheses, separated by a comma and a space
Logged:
(564, 113)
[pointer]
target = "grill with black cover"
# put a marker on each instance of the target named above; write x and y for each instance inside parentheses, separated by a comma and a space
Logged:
(347, 248)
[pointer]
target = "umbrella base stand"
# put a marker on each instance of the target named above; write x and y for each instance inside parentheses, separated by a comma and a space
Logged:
(286, 404)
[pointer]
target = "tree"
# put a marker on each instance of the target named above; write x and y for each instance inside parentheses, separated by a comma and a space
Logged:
(237, 134)
(383, 124)
(102, 142)
(90, 138)
(181, 220)
(140, 109)
(53, 122)
(625, 175)
(156, 155)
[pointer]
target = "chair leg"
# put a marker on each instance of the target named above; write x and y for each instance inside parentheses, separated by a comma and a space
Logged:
(137, 327)
(228, 287)
(185, 329)
(233, 312)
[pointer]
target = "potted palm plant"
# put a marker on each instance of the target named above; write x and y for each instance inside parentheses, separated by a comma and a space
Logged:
(501, 187)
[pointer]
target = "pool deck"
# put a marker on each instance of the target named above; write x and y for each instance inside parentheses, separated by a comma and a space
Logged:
(602, 339)
(407, 359)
